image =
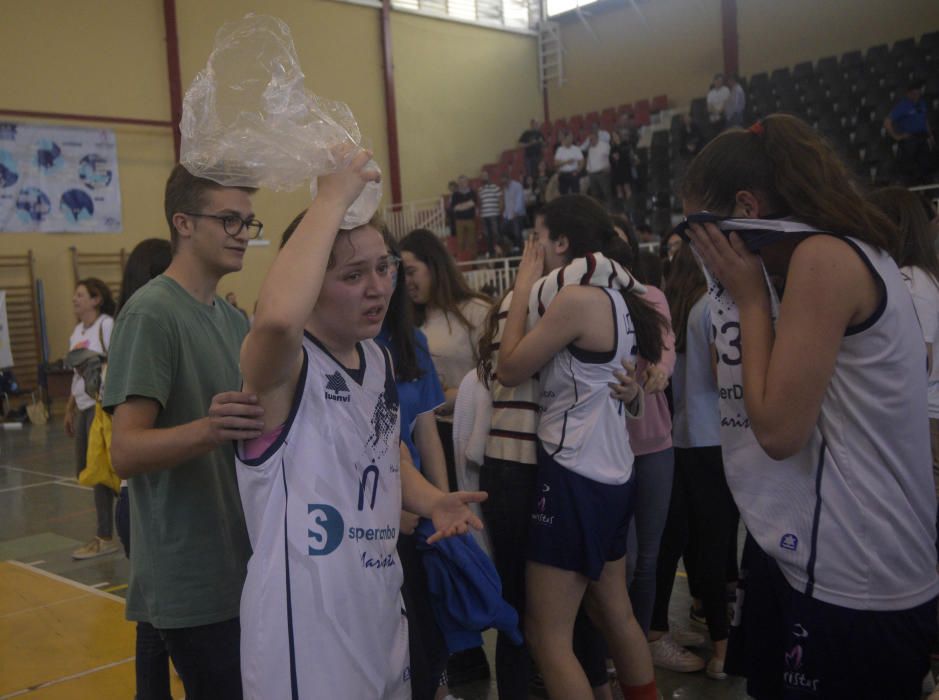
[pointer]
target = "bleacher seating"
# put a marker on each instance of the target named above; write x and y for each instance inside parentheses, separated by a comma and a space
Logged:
(845, 97)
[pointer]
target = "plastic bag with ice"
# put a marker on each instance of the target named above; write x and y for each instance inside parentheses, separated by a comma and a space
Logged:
(248, 121)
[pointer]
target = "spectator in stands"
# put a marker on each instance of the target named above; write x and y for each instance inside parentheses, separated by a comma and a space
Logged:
(532, 141)
(736, 102)
(690, 138)
(463, 204)
(717, 102)
(448, 204)
(602, 135)
(908, 125)
(531, 193)
(621, 168)
(490, 204)
(569, 159)
(598, 168)
(513, 210)
(626, 125)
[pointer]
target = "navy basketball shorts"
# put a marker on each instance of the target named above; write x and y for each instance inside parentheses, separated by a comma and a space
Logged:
(799, 647)
(577, 524)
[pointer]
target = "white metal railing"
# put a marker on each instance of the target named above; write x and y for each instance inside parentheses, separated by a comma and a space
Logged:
(492, 276)
(403, 218)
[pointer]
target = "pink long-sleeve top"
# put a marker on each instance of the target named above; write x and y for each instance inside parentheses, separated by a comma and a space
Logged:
(653, 432)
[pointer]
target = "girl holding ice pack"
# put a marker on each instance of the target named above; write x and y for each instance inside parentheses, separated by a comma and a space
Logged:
(323, 487)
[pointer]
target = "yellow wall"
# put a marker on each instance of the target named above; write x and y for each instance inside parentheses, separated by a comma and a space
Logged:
(774, 34)
(463, 93)
(629, 52)
(93, 57)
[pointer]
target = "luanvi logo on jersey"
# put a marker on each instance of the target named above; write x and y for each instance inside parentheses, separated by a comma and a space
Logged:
(336, 388)
(325, 530)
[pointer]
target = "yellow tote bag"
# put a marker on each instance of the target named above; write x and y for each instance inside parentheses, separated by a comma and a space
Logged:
(98, 469)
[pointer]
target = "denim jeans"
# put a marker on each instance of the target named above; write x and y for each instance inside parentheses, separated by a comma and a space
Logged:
(654, 473)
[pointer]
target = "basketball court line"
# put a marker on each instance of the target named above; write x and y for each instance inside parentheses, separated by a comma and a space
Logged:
(22, 487)
(34, 472)
(65, 679)
(70, 582)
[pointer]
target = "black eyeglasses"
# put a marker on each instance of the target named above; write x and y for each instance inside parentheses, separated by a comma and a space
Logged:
(233, 224)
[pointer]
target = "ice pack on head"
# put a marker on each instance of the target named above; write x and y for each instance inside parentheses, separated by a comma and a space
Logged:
(248, 120)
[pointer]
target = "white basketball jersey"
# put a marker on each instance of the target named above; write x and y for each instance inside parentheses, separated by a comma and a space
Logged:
(582, 427)
(851, 518)
(321, 610)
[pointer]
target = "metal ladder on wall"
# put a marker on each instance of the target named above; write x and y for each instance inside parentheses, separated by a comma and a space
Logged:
(550, 53)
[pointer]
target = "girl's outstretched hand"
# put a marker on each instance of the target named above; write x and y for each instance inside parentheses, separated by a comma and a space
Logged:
(345, 185)
(735, 267)
(452, 516)
(531, 268)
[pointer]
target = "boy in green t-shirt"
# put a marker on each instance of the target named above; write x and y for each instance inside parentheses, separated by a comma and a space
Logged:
(172, 386)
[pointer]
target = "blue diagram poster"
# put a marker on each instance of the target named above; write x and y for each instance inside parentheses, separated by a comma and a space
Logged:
(58, 179)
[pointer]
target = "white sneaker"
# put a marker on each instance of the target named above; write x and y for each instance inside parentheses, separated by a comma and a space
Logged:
(674, 657)
(98, 547)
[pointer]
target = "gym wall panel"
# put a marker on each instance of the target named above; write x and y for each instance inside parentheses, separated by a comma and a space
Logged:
(93, 57)
(464, 93)
(624, 52)
(774, 34)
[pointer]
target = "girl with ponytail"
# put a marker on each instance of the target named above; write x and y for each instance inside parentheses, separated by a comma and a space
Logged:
(824, 425)
(577, 531)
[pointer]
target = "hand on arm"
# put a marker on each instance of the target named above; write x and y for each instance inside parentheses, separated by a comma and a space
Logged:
(449, 512)
(139, 448)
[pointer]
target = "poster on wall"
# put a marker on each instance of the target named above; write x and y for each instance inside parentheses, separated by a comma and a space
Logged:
(58, 179)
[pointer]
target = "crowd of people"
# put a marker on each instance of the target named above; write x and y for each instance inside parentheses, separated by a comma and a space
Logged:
(286, 479)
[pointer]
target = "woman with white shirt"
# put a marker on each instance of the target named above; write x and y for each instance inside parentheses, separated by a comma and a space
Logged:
(449, 313)
(94, 307)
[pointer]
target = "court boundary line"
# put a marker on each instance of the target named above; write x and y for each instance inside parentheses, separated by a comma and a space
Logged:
(66, 679)
(4, 616)
(68, 581)
(23, 487)
(33, 471)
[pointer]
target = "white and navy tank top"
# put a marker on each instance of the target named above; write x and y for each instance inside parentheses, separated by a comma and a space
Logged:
(851, 518)
(321, 611)
(582, 427)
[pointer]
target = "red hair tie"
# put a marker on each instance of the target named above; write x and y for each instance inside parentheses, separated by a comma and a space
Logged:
(757, 128)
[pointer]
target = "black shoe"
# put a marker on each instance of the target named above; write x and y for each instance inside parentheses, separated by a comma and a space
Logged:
(467, 666)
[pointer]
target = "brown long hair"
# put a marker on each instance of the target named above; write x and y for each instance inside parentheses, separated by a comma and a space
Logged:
(487, 345)
(788, 163)
(916, 241)
(99, 290)
(686, 284)
(448, 288)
